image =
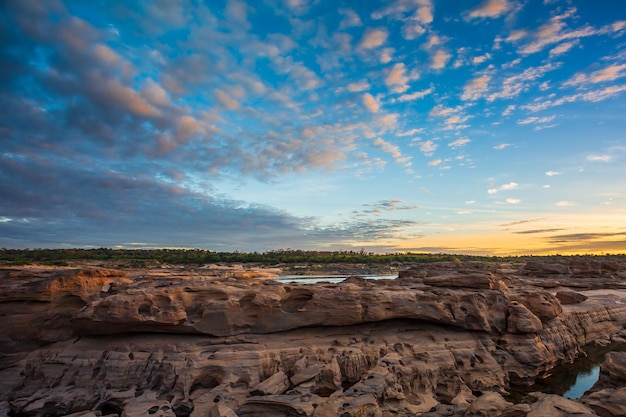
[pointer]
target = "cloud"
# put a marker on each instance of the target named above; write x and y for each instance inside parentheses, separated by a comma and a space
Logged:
(428, 147)
(501, 146)
(535, 120)
(370, 103)
(513, 200)
(552, 173)
(556, 30)
(416, 95)
(350, 19)
(513, 85)
(440, 59)
(373, 38)
(564, 203)
(358, 86)
(563, 48)
(475, 88)
(386, 55)
(504, 187)
(397, 79)
(458, 143)
(593, 96)
(610, 73)
(481, 58)
(435, 162)
(225, 100)
(491, 9)
(599, 158)
(389, 206)
(394, 151)
(412, 30)
(536, 231)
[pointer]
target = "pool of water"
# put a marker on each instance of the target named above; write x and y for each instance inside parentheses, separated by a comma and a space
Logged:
(571, 380)
(313, 279)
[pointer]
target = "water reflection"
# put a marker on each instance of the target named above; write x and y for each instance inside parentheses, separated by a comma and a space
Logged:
(314, 279)
(571, 380)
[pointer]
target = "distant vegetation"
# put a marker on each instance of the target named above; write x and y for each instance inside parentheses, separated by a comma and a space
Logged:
(140, 257)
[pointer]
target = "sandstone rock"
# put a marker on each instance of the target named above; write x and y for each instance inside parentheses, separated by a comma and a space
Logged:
(522, 320)
(147, 405)
(541, 303)
(490, 404)
(607, 402)
(614, 367)
(276, 384)
(542, 269)
(469, 280)
(548, 405)
(570, 297)
(190, 345)
(221, 410)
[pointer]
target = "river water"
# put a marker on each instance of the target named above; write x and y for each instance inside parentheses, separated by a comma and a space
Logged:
(571, 380)
(314, 279)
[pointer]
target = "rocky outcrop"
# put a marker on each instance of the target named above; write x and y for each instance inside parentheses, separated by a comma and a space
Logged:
(90, 342)
(608, 396)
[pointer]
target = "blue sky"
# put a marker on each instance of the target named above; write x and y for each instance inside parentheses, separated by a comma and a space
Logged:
(486, 127)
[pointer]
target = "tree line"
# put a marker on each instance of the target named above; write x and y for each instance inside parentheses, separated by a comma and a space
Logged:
(273, 257)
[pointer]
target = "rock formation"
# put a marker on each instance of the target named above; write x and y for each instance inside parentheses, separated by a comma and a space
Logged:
(442, 339)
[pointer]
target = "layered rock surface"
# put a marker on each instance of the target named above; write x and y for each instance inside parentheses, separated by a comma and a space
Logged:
(442, 339)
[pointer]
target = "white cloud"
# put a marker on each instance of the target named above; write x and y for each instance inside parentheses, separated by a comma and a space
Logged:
(510, 186)
(502, 146)
(599, 158)
(509, 109)
(491, 8)
(435, 162)
(441, 111)
(412, 30)
(397, 79)
(225, 100)
(556, 30)
(562, 48)
(534, 120)
(416, 95)
(610, 73)
(593, 96)
(514, 85)
(350, 19)
(545, 186)
(394, 151)
(564, 203)
(458, 143)
(481, 58)
(386, 55)
(428, 147)
(513, 200)
(492, 190)
(475, 88)
(410, 132)
(552, 173)
(370, 103)
(358, 86)
(373, 38)
(440, 59)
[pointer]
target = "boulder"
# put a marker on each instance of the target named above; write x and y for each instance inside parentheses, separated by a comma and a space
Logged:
(570, 297)
(522, 320)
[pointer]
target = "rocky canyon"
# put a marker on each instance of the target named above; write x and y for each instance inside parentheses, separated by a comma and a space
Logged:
(441, 339)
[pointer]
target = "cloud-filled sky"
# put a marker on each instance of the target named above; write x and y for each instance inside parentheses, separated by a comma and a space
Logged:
(470, 126)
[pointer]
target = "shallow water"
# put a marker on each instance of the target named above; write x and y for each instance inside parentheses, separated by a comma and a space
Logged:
(314, 279)
(571, 380)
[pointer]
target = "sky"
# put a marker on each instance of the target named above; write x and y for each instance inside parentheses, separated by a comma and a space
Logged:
(492, 127)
